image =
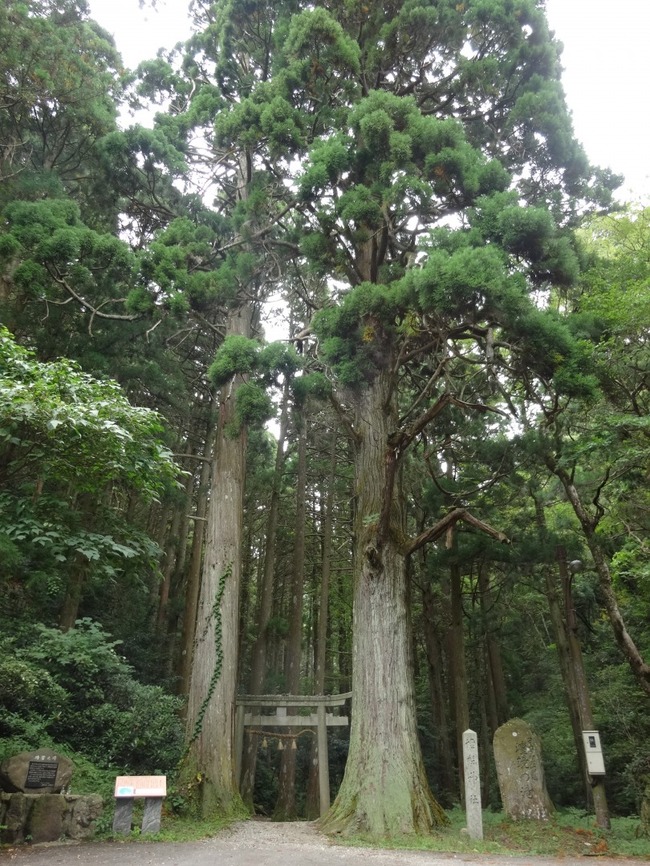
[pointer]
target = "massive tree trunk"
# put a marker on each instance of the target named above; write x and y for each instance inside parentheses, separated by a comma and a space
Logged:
(211, 702)
(193, 581)
(384, 790)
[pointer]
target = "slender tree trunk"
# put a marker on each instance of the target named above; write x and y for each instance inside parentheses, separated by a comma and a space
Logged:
(264, 608)
(439, 707)
(179, 577)
(579, 678)
(211, 702)
(73, 592)
(286, 805)
(457, 667)
(495, 665)
(572, 669)
(171, 552)
(384, 790)
(640, 669)
(313, 806)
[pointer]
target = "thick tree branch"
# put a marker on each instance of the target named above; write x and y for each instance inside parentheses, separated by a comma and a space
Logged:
(96, 311)
(404, 438)
(440, 528)
(345, 418)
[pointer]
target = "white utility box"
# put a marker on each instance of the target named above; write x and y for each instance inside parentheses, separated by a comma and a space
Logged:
(594, 753)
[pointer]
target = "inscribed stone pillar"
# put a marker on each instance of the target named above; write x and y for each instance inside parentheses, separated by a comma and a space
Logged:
(518, 758)
(472, 785)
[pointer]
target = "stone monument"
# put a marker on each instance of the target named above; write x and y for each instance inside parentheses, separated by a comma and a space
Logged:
(33, 805)
(43, 772)
(518, 758)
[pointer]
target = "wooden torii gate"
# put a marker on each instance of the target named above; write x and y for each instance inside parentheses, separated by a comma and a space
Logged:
(320, 719)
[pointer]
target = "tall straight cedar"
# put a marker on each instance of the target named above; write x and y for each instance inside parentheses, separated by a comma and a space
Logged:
(435, 191)
(226, 60)
(419, 155)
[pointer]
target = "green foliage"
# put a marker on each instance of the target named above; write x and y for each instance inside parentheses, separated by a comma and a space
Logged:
(71, 446)
(56, 420)
(310, 385)
(27, 689)
(75, 689)
(237, 355)
(254, 406)
(60, 77)
(241, 356)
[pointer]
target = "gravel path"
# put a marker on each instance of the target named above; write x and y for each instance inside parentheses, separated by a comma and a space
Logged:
(259, 843)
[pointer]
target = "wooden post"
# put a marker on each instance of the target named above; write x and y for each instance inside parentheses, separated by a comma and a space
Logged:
(323, 761)
(239, 741)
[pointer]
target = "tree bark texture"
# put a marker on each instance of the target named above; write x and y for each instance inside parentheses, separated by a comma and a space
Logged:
(193, 581)
(211, 701)
(384, 790)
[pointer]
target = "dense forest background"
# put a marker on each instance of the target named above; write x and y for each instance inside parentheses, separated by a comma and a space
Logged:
(431, 244)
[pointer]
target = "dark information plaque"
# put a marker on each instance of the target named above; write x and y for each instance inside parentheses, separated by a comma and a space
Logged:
(41, 774)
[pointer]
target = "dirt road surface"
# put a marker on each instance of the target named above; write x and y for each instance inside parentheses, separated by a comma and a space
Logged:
(260, 843)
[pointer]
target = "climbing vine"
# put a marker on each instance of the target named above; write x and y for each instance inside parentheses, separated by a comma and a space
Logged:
(215, 614)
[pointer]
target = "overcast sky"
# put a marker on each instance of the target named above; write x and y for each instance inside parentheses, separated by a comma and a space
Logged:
(606, 63)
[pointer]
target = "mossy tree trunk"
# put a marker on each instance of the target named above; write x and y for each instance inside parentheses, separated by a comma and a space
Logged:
(384, 790)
